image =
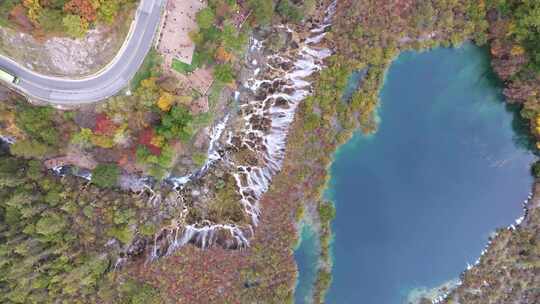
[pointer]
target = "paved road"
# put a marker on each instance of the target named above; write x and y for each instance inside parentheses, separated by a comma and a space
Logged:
(64, 91)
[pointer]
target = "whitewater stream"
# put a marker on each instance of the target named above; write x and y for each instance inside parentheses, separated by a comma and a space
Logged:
(267, 100)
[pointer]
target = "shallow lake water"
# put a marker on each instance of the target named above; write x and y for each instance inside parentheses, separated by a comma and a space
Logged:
(306, 256)
(418, 200)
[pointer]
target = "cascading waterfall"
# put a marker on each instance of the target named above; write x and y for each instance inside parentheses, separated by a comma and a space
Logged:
(269, 116)
(268, 102)
(212, 155)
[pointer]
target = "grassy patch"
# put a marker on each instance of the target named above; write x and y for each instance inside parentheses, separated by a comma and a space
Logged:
(182, 67)
(215, 91)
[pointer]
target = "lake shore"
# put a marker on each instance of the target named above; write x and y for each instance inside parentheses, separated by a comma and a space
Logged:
(338, 123)
(510, 259)
(463, 104)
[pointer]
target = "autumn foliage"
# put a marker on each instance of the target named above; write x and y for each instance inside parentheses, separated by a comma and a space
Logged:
(83, 8)
(104, 126)
(222, 55)
(19, 17)
(72, 18)
(165, 101)
(147, 138)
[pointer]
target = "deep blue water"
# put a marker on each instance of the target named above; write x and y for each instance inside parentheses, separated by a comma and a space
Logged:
(417, 200)
(306, 255)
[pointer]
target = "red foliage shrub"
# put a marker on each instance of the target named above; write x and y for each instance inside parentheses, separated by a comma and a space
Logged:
(104, 126)
(145, 138)
(83, 8)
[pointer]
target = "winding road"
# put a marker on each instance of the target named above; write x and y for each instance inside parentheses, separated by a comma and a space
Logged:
(107, 82)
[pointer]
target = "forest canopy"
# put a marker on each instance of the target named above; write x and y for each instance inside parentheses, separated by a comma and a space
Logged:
(67, 17)
(525, 25)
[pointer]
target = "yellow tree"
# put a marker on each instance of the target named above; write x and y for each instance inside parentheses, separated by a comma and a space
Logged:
(222, 55)
(34, 9)
(165, 101)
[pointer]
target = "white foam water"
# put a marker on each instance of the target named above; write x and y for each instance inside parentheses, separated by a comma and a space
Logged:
(279, 108)
(204, 236)
(266, 123)
(212, 155)
(7, 139)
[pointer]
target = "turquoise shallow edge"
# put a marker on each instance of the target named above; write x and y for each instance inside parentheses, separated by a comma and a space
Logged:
(307, 256)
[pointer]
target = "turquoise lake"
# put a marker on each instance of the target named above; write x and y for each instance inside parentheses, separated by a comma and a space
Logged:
(418, 200)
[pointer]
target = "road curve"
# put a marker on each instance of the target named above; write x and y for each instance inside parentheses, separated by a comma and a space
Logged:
(104, 84)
